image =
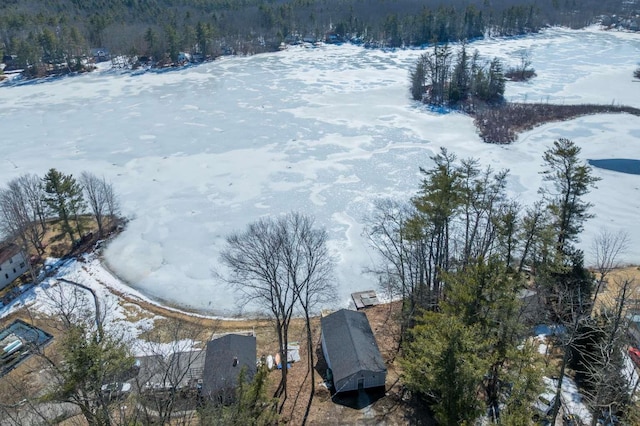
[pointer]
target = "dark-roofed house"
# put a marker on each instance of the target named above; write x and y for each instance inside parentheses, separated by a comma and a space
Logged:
(12, 264)
(351, 351)
(226, 357)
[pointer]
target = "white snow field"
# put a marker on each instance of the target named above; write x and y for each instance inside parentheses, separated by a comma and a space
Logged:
(200, 152)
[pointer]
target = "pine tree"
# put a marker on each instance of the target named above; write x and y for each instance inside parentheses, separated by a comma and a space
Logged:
(64, 198)
(442, 361)
(570, 180)
(460, 80)
(418, 78)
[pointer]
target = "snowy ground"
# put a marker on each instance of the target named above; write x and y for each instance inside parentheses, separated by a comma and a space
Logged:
(53, 296)
(197, 153)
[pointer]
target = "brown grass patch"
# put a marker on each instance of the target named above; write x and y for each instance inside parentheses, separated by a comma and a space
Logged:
(502, 124)
(612, 289)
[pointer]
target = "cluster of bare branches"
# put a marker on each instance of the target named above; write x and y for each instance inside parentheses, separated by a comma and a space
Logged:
(502, 124)
(282, 264)
(523, 71)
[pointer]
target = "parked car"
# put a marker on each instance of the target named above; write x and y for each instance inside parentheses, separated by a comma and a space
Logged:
(115, 389)
(634, 354)
(543, 405)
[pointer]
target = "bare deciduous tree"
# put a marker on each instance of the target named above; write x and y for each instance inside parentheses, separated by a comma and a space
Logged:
(23, 211)
(277, 262)
(608, 388)
(101, 196)
(310, 268)
(88, 357)
(606, 250)
(400, 267)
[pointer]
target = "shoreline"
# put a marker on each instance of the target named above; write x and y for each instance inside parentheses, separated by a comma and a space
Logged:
(13, 78)
(160, 305)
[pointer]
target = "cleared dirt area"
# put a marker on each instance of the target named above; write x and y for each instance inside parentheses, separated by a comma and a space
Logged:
(611, 289)
(382, 408)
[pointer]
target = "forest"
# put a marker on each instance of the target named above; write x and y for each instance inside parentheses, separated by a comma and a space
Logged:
(36, 33)
(462, 255)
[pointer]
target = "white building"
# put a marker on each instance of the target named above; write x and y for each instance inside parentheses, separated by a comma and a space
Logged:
(12, 264)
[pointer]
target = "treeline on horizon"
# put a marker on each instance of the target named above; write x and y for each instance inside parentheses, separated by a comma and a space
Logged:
(54, 31)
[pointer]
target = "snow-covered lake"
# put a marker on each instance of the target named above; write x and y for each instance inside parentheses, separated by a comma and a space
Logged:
(197, 153)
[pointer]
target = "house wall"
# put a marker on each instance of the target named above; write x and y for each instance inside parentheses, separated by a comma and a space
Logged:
(372, 379)
(324, 351)
(11, 269)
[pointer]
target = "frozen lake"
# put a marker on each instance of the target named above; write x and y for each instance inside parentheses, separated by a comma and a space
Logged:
(199, 152)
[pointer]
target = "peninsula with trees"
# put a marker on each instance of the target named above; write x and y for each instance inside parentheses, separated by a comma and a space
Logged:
(464, 82)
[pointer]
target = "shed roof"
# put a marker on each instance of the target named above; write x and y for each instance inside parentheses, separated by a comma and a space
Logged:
(363, 299)
(152, 373)
(186, 368)
(224, 360)
(350, 344)
(176, 370)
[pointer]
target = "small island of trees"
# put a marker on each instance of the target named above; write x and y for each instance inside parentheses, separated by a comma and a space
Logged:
(476, 87)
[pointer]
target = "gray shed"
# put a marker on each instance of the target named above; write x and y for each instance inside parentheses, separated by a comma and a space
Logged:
(351, 351)
(226, 356)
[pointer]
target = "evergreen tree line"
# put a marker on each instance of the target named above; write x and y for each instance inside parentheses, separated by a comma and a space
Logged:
(438, 80)
(28, 202)
(46, 31)
(462, 255)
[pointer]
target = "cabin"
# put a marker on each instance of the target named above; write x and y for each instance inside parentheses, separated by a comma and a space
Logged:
(351, 352)
(100, 54)
(225, 358)
(12, 264)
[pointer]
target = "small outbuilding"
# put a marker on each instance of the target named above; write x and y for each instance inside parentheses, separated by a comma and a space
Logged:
(364, 299)
(226, 357)
(351, 351)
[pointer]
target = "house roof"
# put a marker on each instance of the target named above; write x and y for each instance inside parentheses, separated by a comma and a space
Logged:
(350, 344)
(7, 251)
(177, 370)
(152, 371)
(226, 356)
(186, 367)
